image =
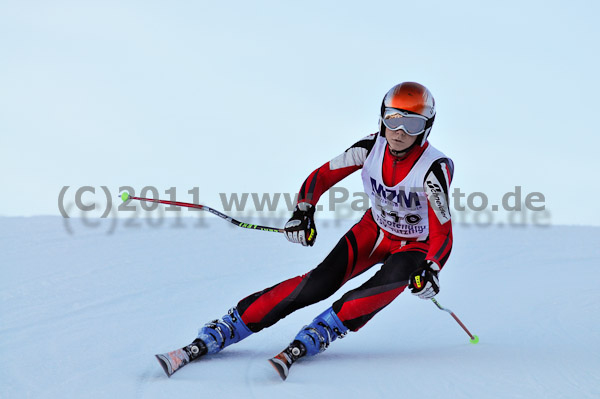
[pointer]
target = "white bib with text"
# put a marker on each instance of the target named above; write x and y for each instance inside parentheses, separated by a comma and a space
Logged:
(401, 209)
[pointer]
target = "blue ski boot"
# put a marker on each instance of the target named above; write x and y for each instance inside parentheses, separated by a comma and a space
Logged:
(212, 338)
(219, 334)
(311, 340)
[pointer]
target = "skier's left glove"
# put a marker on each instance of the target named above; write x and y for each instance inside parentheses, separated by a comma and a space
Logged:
(424, 281)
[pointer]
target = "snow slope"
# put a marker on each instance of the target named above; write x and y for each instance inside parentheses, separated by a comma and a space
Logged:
(82, 314)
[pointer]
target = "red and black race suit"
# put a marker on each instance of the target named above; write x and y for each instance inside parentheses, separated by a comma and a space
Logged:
(363, 246)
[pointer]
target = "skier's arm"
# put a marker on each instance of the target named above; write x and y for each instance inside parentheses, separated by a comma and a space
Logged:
(329, 174)
(437, 187)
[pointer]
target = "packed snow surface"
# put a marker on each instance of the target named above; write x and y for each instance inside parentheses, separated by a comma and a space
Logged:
(85, 305)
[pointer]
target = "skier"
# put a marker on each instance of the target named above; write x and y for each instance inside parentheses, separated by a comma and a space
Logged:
(407, 229)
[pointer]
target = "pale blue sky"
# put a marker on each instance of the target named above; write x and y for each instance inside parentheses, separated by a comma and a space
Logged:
(252, 96)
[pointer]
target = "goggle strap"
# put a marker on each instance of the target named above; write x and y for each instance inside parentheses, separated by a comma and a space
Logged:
(429, 122)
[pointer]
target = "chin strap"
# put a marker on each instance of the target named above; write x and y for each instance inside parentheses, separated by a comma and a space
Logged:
(398, 153)
(403, 153)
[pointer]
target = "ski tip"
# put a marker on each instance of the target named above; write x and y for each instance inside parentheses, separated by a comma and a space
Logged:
(164, 363)
(125, 196)
(280, 367)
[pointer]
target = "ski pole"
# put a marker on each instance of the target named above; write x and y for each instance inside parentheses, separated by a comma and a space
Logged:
(474, 338)
(125, 197)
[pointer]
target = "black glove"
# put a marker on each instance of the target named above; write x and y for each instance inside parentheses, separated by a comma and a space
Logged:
(424, 281)
(301, 226)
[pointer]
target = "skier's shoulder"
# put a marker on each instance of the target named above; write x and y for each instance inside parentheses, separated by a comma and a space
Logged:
(356, 154)
(366, 142)
(438, 162)
(434, 153)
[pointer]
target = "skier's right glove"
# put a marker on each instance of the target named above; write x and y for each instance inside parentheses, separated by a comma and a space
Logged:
(301, 226)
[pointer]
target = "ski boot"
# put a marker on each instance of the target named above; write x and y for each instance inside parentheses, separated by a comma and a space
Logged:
(212, 338)
(311, 340)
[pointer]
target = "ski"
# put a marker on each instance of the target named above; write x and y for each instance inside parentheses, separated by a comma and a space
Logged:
(174, 360)
(281, 363)
(284, 360)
